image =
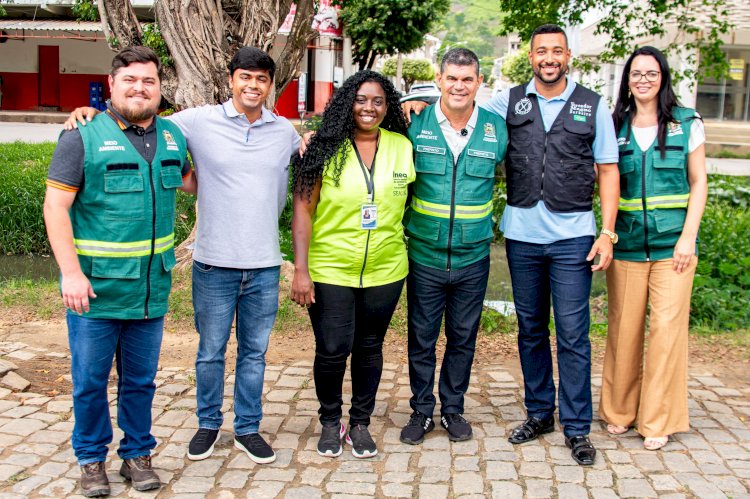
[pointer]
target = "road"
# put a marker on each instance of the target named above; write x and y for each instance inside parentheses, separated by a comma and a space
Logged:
(38, 132)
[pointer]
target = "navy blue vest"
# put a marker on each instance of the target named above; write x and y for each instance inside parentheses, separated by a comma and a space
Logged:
(556, 166)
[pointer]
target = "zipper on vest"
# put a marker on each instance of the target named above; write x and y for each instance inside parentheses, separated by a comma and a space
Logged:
(544, 160)
(364, 261)
(153, 237)
(643, 202)
(453, 208)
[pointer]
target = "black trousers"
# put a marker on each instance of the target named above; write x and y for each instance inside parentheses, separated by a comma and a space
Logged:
(350, 321)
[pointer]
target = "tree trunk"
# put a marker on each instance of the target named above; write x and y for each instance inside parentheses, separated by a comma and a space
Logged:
(120, 25)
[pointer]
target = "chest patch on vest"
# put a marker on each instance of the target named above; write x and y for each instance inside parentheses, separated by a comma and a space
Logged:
(427, 134)
(480, 154)
(580, 111)
(674, 129)
(431, 149)
(171, 143)
(523, 106)
(111, 145)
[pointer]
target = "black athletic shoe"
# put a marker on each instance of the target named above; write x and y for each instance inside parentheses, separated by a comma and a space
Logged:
(417, 427)
(329, 444)
(202, 444)
(255, 447)
(458, 428)
(362, 443)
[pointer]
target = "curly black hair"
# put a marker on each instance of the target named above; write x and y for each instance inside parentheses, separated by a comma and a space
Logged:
(329, 144)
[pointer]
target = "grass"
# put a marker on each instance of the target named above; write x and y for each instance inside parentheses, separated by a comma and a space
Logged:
(23, 168)
(728, 154)
(38, 298)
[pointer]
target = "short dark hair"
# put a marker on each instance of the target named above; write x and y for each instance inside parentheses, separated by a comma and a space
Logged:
(459, 56)
(133, 55)
(545, 29)
(252, 58)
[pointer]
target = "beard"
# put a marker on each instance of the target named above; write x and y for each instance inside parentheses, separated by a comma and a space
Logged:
(136, 114)
(562, 70)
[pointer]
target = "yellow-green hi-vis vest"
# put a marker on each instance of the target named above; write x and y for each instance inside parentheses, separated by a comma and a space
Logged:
(123, 219)
(654, 192)
(449, 220)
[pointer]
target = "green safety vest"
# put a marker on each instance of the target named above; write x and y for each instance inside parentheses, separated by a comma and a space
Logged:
(654, 192)
(449, 220)
(342, 252)
(123, 219)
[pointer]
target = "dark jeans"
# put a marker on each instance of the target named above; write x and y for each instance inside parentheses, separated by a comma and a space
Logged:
(350, 321)
(559, 269)
(460, 294)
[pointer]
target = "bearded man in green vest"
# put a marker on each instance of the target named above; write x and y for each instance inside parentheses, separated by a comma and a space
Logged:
(109, 211)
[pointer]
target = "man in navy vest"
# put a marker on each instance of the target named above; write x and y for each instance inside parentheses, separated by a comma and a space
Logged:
(561, 141)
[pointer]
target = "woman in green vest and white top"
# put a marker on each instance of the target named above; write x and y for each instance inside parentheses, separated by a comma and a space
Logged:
(350, 190)
(663, 187)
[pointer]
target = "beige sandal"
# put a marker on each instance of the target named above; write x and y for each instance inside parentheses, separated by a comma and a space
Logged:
(655, 443)
(614, 429)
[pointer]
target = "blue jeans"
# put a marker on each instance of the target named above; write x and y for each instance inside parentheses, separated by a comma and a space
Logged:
(559, 269)
(221, 295)
(93, 345)
(460, 295)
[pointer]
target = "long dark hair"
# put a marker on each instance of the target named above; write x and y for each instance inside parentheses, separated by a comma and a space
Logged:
(328, 145)
(667, 100)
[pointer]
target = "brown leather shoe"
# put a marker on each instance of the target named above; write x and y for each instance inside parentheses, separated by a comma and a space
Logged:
(138, 471)
(94, 481)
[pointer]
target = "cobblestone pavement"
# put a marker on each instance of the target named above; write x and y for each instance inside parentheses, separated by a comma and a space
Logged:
(712, 460)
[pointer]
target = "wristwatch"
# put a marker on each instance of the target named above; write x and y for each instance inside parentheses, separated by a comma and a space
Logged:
(612, 235)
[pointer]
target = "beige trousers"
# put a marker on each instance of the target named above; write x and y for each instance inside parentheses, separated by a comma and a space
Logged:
(652, 392)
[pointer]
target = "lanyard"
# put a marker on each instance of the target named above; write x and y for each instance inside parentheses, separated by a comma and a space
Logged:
(369, 175)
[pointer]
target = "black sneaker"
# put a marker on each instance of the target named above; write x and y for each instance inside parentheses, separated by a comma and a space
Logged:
(202, 444)
(255, 447)
(329, 444)
(414, 431)
(458, 428)
(94, 481)
(362, 443)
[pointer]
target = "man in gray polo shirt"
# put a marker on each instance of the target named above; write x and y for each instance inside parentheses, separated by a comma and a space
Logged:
(241, 153)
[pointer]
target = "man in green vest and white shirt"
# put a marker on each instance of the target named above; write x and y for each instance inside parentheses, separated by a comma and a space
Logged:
(109, 211)
(457, 147)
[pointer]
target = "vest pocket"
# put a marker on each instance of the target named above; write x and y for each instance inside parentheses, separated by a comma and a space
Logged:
(670, 173)
(481, 173)
(422, 228)
(115, 268)
(671, 220)
(629, 180)
(171, 179)
(476, 232)
(580, 178)
(124, 197)
(432, 187)
(519, 178)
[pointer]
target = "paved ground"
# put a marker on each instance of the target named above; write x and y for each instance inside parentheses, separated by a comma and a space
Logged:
(712, 460)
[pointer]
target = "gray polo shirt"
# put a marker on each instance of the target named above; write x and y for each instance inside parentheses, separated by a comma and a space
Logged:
(243, 174)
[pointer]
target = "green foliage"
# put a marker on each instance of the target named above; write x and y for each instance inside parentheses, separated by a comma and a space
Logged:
(517, 68)
(485, 68)
(493, 322)
(42, 296)
(85, 10)
(384, 27)
(472, 24)
(411, 70)
(23, 168)
(152, 38)
(721, 290)
(726, 153)
(624, 24)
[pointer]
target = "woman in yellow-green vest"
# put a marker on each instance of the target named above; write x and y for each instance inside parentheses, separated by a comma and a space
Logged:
(350, 190)
(663, 188)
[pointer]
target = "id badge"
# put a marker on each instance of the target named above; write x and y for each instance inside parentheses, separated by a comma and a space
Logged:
(368, 217)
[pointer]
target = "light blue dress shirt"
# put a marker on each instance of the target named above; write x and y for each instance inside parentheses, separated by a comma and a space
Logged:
(537, 224)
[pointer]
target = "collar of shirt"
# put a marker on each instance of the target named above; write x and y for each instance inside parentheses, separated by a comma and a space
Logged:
(441, 118)
(569, 87)
(230, 111)
(125, 124)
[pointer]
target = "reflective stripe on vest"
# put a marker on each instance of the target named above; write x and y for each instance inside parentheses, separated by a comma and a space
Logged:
(110, 249)
(444, 210)
(673, 201)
